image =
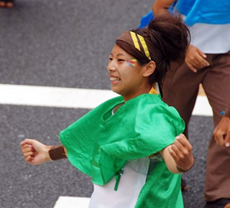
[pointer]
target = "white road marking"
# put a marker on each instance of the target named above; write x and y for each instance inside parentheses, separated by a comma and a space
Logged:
(53, 96)
(202, 107)
(72, 202)
(70, 97)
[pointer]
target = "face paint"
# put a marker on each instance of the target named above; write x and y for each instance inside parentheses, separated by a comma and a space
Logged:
(131, 62)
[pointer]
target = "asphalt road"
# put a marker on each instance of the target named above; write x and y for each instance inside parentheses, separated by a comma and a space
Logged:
(65, 44)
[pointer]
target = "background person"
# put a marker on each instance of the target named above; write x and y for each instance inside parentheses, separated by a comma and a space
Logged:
(207, 62)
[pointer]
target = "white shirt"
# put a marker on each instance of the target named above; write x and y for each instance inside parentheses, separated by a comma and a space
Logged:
(210, 38)
(131, 182)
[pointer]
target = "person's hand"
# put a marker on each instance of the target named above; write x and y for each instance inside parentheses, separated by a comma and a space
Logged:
(222, 132)
(35, 152)
(195, 58)
(181, 152)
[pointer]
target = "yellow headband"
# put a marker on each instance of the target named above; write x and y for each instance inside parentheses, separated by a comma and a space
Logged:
(137, 41)
(135, 38)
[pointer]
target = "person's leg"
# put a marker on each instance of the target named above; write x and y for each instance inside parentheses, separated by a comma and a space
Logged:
(217, 87)
(180, 89)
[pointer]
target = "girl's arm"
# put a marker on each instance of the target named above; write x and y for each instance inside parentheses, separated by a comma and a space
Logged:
(178, 156)
(36, 153)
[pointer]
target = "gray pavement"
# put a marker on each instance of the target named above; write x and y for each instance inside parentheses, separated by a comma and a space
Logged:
(64, 44)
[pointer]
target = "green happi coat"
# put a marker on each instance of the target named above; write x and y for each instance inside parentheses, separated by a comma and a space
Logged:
(99, 144)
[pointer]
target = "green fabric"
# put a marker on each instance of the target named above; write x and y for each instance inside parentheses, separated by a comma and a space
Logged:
(99, 145)
(162, 189)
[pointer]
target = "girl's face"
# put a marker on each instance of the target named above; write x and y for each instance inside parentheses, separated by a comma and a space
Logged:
(126, 74)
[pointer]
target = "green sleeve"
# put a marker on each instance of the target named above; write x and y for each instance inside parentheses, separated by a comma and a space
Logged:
(156, 128)
(80, 138)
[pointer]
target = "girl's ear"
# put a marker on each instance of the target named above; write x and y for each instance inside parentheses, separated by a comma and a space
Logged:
(149, 68)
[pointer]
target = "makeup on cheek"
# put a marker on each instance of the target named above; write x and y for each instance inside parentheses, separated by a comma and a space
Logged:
(131, 62)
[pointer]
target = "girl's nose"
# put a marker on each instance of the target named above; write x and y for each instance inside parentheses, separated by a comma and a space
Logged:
(111, 66)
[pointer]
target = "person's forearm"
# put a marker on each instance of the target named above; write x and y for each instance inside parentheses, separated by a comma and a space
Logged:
(169, 161)
(160, 7)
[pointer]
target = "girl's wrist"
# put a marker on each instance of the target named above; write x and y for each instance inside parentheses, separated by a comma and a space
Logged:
(57, 152)
(47, 153)
(181, 170)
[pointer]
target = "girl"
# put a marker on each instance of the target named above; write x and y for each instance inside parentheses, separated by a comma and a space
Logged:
(127, 144)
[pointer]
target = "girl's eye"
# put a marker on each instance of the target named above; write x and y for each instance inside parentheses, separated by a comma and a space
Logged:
(110, 59)
(121, 60)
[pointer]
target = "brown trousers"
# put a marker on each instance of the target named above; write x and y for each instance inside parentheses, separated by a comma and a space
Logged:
(180, 90)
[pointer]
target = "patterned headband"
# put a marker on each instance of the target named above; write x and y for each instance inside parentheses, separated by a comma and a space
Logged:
(137, 41)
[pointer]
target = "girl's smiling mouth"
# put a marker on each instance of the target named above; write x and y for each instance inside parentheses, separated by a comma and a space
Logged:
(114, 79)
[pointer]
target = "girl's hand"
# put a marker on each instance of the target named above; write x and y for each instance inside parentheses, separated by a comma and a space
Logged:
(35, 152)
(181, 152)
